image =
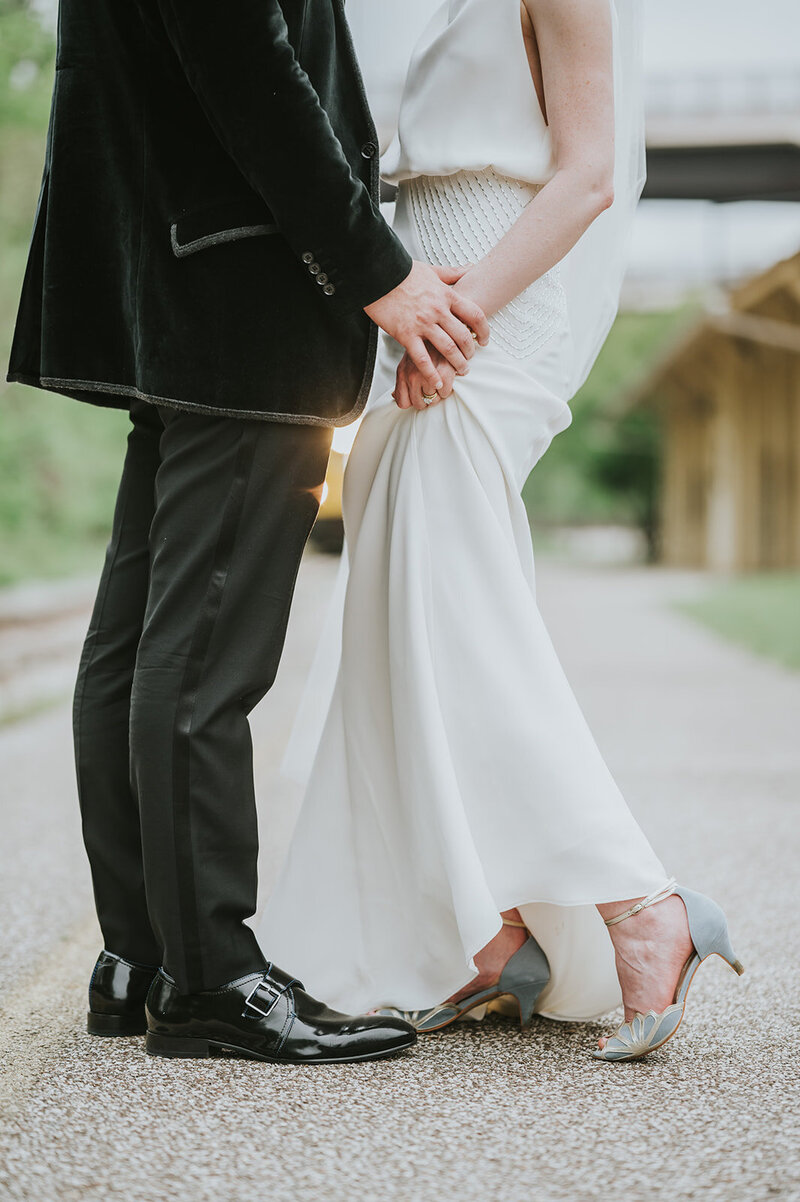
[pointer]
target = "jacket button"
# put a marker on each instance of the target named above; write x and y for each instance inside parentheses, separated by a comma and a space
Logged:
(329, 289)
(314, 268)
(322, 278)
(369, 150)
(308, 257)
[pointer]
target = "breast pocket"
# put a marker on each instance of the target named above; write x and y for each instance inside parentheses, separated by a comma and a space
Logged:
(219, 223)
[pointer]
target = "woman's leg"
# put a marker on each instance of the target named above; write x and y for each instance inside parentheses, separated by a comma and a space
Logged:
(651, 949)
(492, 959)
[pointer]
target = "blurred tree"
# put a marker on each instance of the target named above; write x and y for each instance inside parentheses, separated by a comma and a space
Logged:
(59, 461)
(626, 466)
(604, 468)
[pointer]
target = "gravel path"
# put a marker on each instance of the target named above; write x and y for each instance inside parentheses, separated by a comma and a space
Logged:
(704, 740)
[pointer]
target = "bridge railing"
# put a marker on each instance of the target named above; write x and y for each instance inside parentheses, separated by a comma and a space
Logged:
(707, 94)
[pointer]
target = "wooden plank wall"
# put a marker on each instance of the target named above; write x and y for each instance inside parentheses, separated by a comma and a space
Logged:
(731, 470)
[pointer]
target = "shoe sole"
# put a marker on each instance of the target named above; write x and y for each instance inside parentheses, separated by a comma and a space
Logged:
(187, 1048)
(114, 1025)
(487, 1003)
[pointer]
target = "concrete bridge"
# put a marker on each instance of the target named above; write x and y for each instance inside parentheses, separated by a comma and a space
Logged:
(724, 137)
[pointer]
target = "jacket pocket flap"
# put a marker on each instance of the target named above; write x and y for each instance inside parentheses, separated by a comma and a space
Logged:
(227, 221)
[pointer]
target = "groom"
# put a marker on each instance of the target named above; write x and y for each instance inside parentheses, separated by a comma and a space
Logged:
(208, 253)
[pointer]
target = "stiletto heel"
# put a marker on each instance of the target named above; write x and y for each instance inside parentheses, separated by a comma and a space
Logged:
(523, 979)
(708, 928)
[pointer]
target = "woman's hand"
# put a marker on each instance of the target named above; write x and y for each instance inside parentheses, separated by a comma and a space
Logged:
(431, 320)
(410, 383)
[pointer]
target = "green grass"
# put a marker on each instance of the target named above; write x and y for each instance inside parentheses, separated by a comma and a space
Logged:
(760, 612)
(59, 467)
(59, 460)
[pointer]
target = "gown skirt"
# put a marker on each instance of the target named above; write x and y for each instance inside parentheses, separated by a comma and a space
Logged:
(453, 774)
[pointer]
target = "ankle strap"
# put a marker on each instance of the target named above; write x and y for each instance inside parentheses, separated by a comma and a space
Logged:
(660, 895)
(512, 922)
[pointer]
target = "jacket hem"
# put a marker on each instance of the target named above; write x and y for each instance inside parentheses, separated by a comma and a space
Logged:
(67, 386)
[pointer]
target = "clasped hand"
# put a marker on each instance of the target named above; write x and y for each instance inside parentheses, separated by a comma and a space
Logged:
(449, 360)
(437, 325)
(410, 387)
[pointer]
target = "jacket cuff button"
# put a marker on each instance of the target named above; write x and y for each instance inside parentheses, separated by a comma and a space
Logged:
(329, 289)
(308, 257)
(369, 150)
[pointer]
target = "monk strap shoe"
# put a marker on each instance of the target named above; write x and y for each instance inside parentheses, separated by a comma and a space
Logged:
(265, 1016)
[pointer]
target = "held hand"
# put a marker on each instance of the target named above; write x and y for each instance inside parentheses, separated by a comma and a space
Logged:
(410, 384)
(426, 309)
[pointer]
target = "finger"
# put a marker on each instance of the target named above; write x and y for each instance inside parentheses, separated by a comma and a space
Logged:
(450, 275)
(418, 353)
(449, 381)
(460, 334)
(415, 392)
(472, 315)
(401, 394)
(413, 388)
(450, 349)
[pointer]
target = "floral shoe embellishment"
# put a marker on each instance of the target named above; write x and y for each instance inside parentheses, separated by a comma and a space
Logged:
(644, 1033)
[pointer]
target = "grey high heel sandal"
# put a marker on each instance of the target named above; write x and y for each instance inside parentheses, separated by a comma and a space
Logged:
(523, 979)
(708, 929)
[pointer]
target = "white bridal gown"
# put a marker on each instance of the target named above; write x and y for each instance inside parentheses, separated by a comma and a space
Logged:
(455, 776)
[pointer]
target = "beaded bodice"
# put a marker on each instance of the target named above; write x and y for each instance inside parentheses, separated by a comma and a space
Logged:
(459, 218)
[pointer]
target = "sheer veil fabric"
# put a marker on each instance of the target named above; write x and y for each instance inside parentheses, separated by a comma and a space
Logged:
(594, 269)
(449, 771)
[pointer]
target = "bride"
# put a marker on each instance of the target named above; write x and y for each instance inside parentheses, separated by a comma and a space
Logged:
(462, 842)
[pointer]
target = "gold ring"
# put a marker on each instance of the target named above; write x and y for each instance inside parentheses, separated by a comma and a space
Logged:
(474, 335)
(429, 398)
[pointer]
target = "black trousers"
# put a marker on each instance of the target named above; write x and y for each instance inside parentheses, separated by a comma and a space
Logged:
(187, 631)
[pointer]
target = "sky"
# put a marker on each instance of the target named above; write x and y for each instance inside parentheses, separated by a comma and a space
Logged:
(687, 35)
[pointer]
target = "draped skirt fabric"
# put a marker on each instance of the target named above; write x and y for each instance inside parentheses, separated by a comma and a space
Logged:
(455, 775)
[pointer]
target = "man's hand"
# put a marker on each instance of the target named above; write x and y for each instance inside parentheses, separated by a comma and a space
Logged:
(425, 308)
(410, 384)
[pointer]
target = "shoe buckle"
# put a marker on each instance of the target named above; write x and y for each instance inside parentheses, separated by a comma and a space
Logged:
(265, 992)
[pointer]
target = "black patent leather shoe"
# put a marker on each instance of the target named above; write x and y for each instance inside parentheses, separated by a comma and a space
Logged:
(117, 993)
(265, 1016)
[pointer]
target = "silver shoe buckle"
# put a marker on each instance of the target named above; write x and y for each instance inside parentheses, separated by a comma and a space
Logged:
(264, 986)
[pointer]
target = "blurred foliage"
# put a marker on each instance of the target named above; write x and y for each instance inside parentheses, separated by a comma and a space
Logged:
(59, 461)
(604, 467)
(760, 612)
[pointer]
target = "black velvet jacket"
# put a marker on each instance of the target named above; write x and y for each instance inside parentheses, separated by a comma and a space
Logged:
(208, 231)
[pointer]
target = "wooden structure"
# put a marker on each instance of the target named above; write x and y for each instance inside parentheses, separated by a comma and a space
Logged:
(729, 397)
